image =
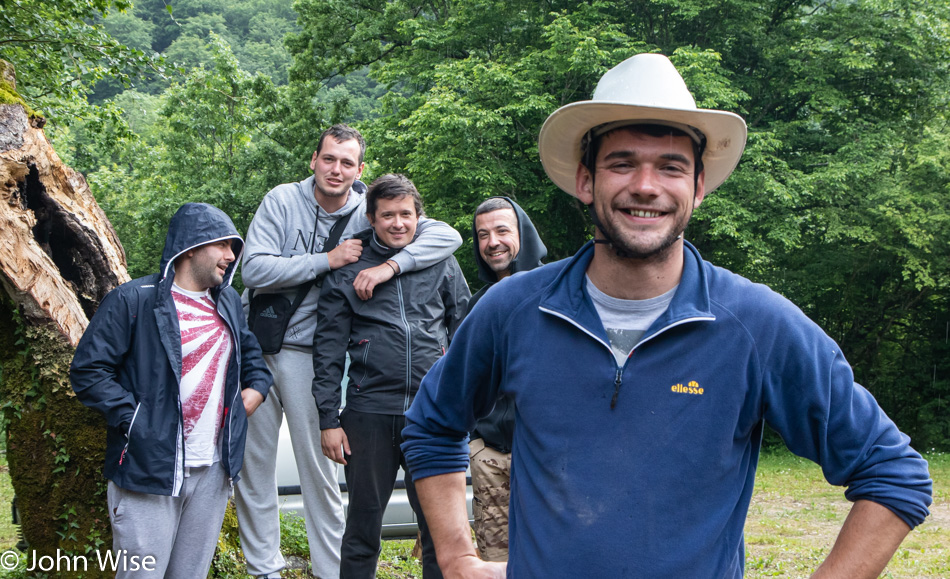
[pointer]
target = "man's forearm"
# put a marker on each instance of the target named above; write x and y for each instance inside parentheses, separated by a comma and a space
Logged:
(867, 541)
(273, 271)
(443, 501)
(435, 242)
(265, 265)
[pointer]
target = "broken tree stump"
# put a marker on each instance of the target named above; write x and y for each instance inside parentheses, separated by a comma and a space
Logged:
(59, 256)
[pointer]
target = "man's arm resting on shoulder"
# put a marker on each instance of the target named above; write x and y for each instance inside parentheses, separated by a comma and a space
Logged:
(266, 267)
(867, 541)
(435, 242)
(443, 501)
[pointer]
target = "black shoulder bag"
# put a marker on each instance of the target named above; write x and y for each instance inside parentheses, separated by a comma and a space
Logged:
(270, 314)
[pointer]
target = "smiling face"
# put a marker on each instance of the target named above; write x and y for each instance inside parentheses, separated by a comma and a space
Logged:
(395, 221)
(498, 239)
(335, 166)
(205, 266)
(643, 192)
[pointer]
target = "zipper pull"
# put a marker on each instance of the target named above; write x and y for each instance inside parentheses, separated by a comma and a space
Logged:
(613, 401)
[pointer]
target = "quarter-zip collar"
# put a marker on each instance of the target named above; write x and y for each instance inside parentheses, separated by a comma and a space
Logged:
(567, 296)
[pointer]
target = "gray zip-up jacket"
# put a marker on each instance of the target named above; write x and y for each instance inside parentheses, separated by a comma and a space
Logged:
(393, 339)
(284, 250)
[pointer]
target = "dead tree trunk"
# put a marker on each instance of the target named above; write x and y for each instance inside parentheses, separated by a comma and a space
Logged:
(59, 256)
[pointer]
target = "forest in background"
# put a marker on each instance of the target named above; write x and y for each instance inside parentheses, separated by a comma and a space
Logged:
(841, 201)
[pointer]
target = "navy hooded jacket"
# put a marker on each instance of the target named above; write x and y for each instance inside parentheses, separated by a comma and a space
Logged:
(128, 364)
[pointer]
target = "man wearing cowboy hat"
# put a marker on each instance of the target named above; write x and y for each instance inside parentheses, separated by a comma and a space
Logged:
(643, 376)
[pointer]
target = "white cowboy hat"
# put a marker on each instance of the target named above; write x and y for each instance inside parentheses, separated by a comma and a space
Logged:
(645, 88)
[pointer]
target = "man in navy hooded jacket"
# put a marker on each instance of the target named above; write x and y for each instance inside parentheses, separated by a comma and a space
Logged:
(169, 361)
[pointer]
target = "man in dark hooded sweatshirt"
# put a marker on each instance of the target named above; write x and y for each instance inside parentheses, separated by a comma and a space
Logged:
(506, 242)
(170, 362)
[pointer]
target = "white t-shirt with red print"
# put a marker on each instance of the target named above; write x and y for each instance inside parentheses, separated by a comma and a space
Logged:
(205, 351)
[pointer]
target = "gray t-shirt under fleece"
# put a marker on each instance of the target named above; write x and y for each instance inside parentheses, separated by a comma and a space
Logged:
(627, 320)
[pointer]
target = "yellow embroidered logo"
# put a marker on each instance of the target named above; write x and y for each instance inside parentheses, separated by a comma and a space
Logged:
(691, 388)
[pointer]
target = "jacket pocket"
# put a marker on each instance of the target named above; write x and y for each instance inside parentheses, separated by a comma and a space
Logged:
(128, 433)
(364, 360)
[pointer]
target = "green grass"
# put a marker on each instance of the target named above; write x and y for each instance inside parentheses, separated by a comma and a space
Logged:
(8, 536)
(793, 521)
(795, 516)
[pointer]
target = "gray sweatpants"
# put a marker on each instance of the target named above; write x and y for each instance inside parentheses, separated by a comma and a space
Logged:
(179, 532)
(256, 493)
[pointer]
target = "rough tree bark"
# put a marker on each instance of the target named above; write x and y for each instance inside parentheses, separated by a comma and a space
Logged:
(59, 256)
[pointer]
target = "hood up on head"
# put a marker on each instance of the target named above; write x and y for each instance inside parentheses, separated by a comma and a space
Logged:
(532, 248)
(196, 224)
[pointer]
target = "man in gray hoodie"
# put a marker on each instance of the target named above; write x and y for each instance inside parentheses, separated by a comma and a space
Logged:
(285, 248)
(506, 242)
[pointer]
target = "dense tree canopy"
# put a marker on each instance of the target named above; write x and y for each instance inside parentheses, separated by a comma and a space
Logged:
(840, 201)
(60, 53)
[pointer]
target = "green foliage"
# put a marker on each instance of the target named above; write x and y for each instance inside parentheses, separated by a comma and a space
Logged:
(130, 30)
(181, 32)
(293, 536)
(840, 201)
(54, 444)
(396, 560)
(59, 50)
(218, 136)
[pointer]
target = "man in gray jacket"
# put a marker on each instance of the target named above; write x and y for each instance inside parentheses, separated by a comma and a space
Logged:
(392, 341)
(285, 248)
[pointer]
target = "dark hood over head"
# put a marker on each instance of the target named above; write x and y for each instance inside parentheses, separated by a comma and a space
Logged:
(529, 256)
(196, 224)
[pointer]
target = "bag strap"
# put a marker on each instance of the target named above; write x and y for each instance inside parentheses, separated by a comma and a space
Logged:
(333, 239)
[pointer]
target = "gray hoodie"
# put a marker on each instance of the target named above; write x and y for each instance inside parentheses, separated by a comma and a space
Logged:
(283, 250)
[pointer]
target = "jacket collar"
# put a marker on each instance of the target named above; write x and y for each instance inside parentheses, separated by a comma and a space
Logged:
(567, 296)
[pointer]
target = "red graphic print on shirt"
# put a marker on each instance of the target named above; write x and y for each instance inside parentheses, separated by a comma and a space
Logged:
(206, 349)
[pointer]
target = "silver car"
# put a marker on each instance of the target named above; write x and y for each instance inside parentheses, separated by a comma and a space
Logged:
(399, 521)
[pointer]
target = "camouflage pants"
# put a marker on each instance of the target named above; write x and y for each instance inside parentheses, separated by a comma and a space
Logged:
(491, 478)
